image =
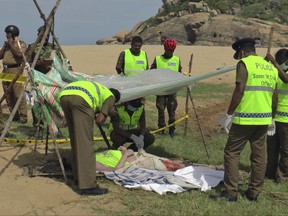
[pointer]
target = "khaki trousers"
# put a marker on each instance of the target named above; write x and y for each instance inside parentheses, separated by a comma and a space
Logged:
(80, 119)
(14, 94)
(238, 137)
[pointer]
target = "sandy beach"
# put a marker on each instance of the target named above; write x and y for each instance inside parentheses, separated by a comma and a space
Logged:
(22, 195)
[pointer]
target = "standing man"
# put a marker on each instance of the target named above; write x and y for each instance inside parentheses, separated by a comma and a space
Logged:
(47, 53)
(129, 125)
(132, 60)
(82, 103)
(12, 61)
(43, 65)
(277, 140)
(170, 61)
(251, 105)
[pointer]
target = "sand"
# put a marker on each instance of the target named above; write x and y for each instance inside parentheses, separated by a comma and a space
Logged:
(22, 195)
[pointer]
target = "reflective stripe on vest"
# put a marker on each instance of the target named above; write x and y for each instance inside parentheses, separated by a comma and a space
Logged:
(89, 91)
(282, 105)
(172, 63)
(255, 107)
(127, 122)
(133, 63)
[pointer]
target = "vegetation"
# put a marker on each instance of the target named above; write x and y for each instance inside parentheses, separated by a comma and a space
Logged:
(271, 10)
(272, 201)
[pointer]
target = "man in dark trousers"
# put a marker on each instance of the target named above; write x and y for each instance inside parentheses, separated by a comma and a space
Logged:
(82, 103)
(129, 125)
(170, 61)
(132, 60)
(277, 145)
(249, 114)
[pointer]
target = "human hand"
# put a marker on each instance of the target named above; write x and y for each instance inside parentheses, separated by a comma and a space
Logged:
(127, 152)
(112, 112)
(122, 148)
(100, 118)
(271, 128)
(226, 122)
(141, 145)
(136, 140)
(269, 58)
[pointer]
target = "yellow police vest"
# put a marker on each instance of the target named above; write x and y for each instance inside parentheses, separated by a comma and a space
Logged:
(172, 63)
(134, 63)
(255, 107)
(92, 92)
(127, 122)
(111, 158)
(282, 106)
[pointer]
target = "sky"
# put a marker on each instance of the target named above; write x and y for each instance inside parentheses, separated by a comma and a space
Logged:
(77, 22)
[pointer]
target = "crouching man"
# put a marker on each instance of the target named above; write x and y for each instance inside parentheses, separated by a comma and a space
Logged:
(129, 125)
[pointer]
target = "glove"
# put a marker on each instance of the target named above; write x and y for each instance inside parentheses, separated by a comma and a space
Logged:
(226, 122)
(139, 141)
(141, 144)
(271, 128)
(135, 139)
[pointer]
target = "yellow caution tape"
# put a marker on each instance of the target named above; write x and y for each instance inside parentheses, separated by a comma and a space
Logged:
(186, 73)
(170, 125)
(32, 141)
(9, 77)
(66, 140)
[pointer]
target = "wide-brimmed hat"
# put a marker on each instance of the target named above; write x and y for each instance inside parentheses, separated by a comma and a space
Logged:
(238, 45)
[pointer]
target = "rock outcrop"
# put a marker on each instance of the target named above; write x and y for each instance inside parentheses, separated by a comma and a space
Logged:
(199, 25)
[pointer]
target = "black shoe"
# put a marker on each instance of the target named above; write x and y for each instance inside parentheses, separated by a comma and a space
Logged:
(171, 134)
(250, 197)
(97, 191)
(224, 195)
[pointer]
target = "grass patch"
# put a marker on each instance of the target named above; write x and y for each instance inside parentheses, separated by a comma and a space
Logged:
(272, 201)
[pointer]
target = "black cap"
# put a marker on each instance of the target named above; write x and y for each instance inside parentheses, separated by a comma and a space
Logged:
(238, 45)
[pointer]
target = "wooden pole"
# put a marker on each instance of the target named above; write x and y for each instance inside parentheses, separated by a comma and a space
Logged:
(199, 125)
(55, 39)
(187, 96)
(270, 40)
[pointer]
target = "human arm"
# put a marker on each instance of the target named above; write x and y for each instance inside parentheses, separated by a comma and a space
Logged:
(238, 93)
(153, 66)
(106, 110)
(239, 87)
(125, 154)
(142, 123)
(180, 67)
(120, 63)
(14, 49)
(272, 127)
(147, 65)
(115, 121)
(3, 49)
(281, 73)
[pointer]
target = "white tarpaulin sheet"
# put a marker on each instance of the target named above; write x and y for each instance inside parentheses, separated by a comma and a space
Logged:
(141, 83)
(153, 82)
